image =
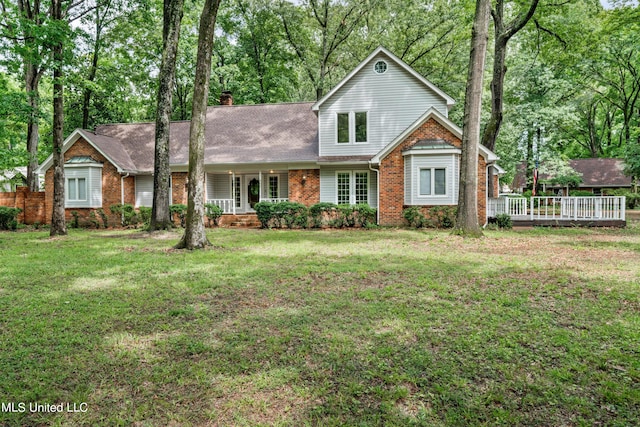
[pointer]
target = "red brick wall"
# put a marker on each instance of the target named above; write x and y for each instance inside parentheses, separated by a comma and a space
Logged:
(391, 203)
(305, 191)
(32, 204)
(179, 188)
(111, 189)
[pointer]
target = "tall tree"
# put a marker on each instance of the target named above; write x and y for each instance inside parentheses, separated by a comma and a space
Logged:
(317, 32)
(58, 225)
(23, 26)
(195, 236)
(503, 33)
(160, 215)
(467, 216)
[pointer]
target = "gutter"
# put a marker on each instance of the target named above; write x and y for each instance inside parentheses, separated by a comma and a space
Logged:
(377, 171)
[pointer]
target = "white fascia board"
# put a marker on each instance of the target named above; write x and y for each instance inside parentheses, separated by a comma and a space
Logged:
(450, 101)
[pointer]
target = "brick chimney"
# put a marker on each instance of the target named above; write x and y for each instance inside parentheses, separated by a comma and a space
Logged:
(226, 98)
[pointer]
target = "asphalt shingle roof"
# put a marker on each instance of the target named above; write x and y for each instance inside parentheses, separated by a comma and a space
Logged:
(265, 133)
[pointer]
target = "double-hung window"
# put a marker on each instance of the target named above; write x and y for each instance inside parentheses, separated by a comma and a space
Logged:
(433, 182)
(77, 189)
(352, 187)
(273, 186)
(352, 127)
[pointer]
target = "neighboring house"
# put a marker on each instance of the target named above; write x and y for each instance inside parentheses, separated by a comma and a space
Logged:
(597, 175)
(12, 178)
(381, 136)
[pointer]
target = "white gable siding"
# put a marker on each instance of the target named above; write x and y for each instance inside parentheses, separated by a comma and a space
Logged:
(393, 101)
(412, 166)
(144, 190)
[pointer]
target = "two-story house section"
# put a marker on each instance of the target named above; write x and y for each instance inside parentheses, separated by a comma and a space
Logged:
(381, 136)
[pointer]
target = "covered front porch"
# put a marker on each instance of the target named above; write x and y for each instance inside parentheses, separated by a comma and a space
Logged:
(238, 191)
(597, 211)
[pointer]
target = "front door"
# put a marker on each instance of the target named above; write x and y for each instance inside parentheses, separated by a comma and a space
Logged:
(253, 191)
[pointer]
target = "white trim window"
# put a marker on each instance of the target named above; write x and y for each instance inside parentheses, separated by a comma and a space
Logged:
(352, 187)
(352, 127)
(432, 182)
(77, 189)
(274, 188)
(83, 185)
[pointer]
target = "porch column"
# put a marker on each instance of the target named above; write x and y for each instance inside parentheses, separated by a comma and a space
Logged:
(260, 185)
(233, 191)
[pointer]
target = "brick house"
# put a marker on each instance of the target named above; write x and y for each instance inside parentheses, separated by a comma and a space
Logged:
(381, 136)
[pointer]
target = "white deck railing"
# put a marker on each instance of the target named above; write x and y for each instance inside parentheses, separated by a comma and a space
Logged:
(227, 205)
(513, 206)
(578, 208)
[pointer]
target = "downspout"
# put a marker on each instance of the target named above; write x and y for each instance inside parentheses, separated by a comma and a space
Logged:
(122, 195)
(486, 195)
(377, 171)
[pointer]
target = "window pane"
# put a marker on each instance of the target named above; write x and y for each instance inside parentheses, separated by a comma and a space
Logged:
(343, 127)
(425, 182)
(440, 187)
(343, 188)
(273, 187)
(361, 127)
(362, 187)
(71, 189)
(82, 189)
(236, 192)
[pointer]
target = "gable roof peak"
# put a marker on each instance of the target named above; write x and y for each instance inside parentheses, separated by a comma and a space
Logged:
(381, 49)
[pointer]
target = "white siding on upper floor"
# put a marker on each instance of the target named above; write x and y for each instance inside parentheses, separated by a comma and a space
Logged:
(393, 101)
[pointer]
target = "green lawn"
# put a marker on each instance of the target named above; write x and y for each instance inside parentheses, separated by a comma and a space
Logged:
(326, 328)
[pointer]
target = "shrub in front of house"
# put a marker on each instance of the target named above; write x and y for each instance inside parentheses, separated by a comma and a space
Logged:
(9, 218)
(580, 193)
(413, 215)
(443, 216)
(281, 214)
(632, 200)
(504, 221)
(180, 211)
(144, 215)
(321, 213)
(213, 213)
(127, 213)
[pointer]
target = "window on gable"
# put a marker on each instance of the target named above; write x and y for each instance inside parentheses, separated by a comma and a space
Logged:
(361, 127)
(433, 182)
(352, 127)
(343, 128)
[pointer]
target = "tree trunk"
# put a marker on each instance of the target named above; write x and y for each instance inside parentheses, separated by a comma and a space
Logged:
(32, 76)
(195, 236)
(58, 225)
(86, 96)
(467, 216)
(502, 36)
(160, 215)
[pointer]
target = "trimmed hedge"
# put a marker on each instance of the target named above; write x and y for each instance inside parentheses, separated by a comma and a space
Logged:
(213, 213)
(297, 215)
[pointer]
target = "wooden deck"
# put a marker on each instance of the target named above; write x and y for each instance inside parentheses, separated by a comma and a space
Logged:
(597, 211)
